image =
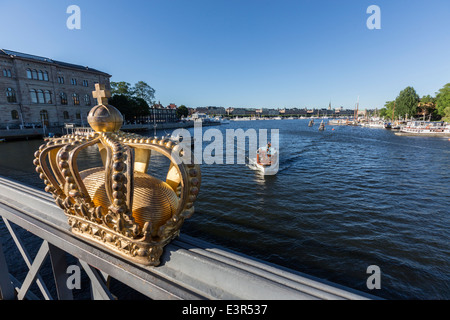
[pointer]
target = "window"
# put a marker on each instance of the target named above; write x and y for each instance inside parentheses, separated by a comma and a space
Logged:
(63, 97)
(33, 96)
(87, 100)
(7, 73)
(40, 96)
(29, 76)
(40, 75)
(61, 80)
(34, 74)
(14, 115)
(76, 99)
(66, 115)
(85, 83)
(73, 81)
(11, 95)
(45, 76)
(78, 115)
(48, 96)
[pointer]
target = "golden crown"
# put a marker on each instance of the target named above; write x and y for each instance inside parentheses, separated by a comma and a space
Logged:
(119, 205)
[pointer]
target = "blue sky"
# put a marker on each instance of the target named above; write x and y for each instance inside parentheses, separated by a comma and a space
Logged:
(246, 53)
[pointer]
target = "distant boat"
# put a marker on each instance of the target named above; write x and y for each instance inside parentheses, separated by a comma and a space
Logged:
(204, 118)
(374, 124)
(222, 120)
(338, 122)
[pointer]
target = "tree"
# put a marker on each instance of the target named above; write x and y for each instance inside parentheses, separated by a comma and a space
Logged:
(121, 88)
(131, 108)
(446, 114)
(443, 102)
(406, 102)
(142, 90)
(427, 106)
(132, 101)
(182, 111)
(140, 107)
(123, 104)
(388, 109)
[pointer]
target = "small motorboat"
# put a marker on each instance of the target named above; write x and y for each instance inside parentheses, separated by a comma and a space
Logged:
(267, 160)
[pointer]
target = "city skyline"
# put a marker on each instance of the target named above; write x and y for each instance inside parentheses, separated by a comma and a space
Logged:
(254, 54)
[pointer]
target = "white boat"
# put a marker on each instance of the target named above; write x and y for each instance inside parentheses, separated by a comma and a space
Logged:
(241, 119)
(204, 118)
(267, 160)
(222, 120)
(425, 129)
(374, 124)
(337, 122)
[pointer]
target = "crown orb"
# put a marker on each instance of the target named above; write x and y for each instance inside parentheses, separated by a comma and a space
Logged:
(105, 118)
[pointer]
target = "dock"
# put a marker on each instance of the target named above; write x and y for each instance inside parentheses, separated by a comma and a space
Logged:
(191, 269)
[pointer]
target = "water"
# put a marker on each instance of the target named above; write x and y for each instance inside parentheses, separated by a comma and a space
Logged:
(342, 200)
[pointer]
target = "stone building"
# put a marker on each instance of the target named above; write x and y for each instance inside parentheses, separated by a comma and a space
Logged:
(37, 91)
(159, 114)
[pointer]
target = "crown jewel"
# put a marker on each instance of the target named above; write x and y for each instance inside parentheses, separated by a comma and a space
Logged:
(119, 205)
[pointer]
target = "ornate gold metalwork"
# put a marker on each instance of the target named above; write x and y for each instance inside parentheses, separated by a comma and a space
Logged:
(119, 205)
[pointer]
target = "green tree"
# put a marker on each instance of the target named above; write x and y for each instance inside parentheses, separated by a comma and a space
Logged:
(132, 101)
(446, 114)
(121, 88)
(182, 111)
(131, 108)
(140, 107)
(142, 90)
(443, 102)
(389, 108)
(427, 106)
(406, 103)
(123, 104)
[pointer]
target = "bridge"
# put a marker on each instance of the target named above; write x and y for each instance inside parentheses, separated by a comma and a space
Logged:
(190, 269)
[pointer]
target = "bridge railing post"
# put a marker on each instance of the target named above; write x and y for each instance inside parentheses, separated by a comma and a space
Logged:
(6, 287)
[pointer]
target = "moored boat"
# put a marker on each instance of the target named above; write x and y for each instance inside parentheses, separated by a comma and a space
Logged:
(425, 129)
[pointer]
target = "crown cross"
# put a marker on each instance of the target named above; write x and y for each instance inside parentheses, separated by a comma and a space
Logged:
(101, 94)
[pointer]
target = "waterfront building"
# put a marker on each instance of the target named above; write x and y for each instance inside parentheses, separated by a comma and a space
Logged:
(159, 113)
(38, 91)
(240, 112)
(211, 111)
(267, 112)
